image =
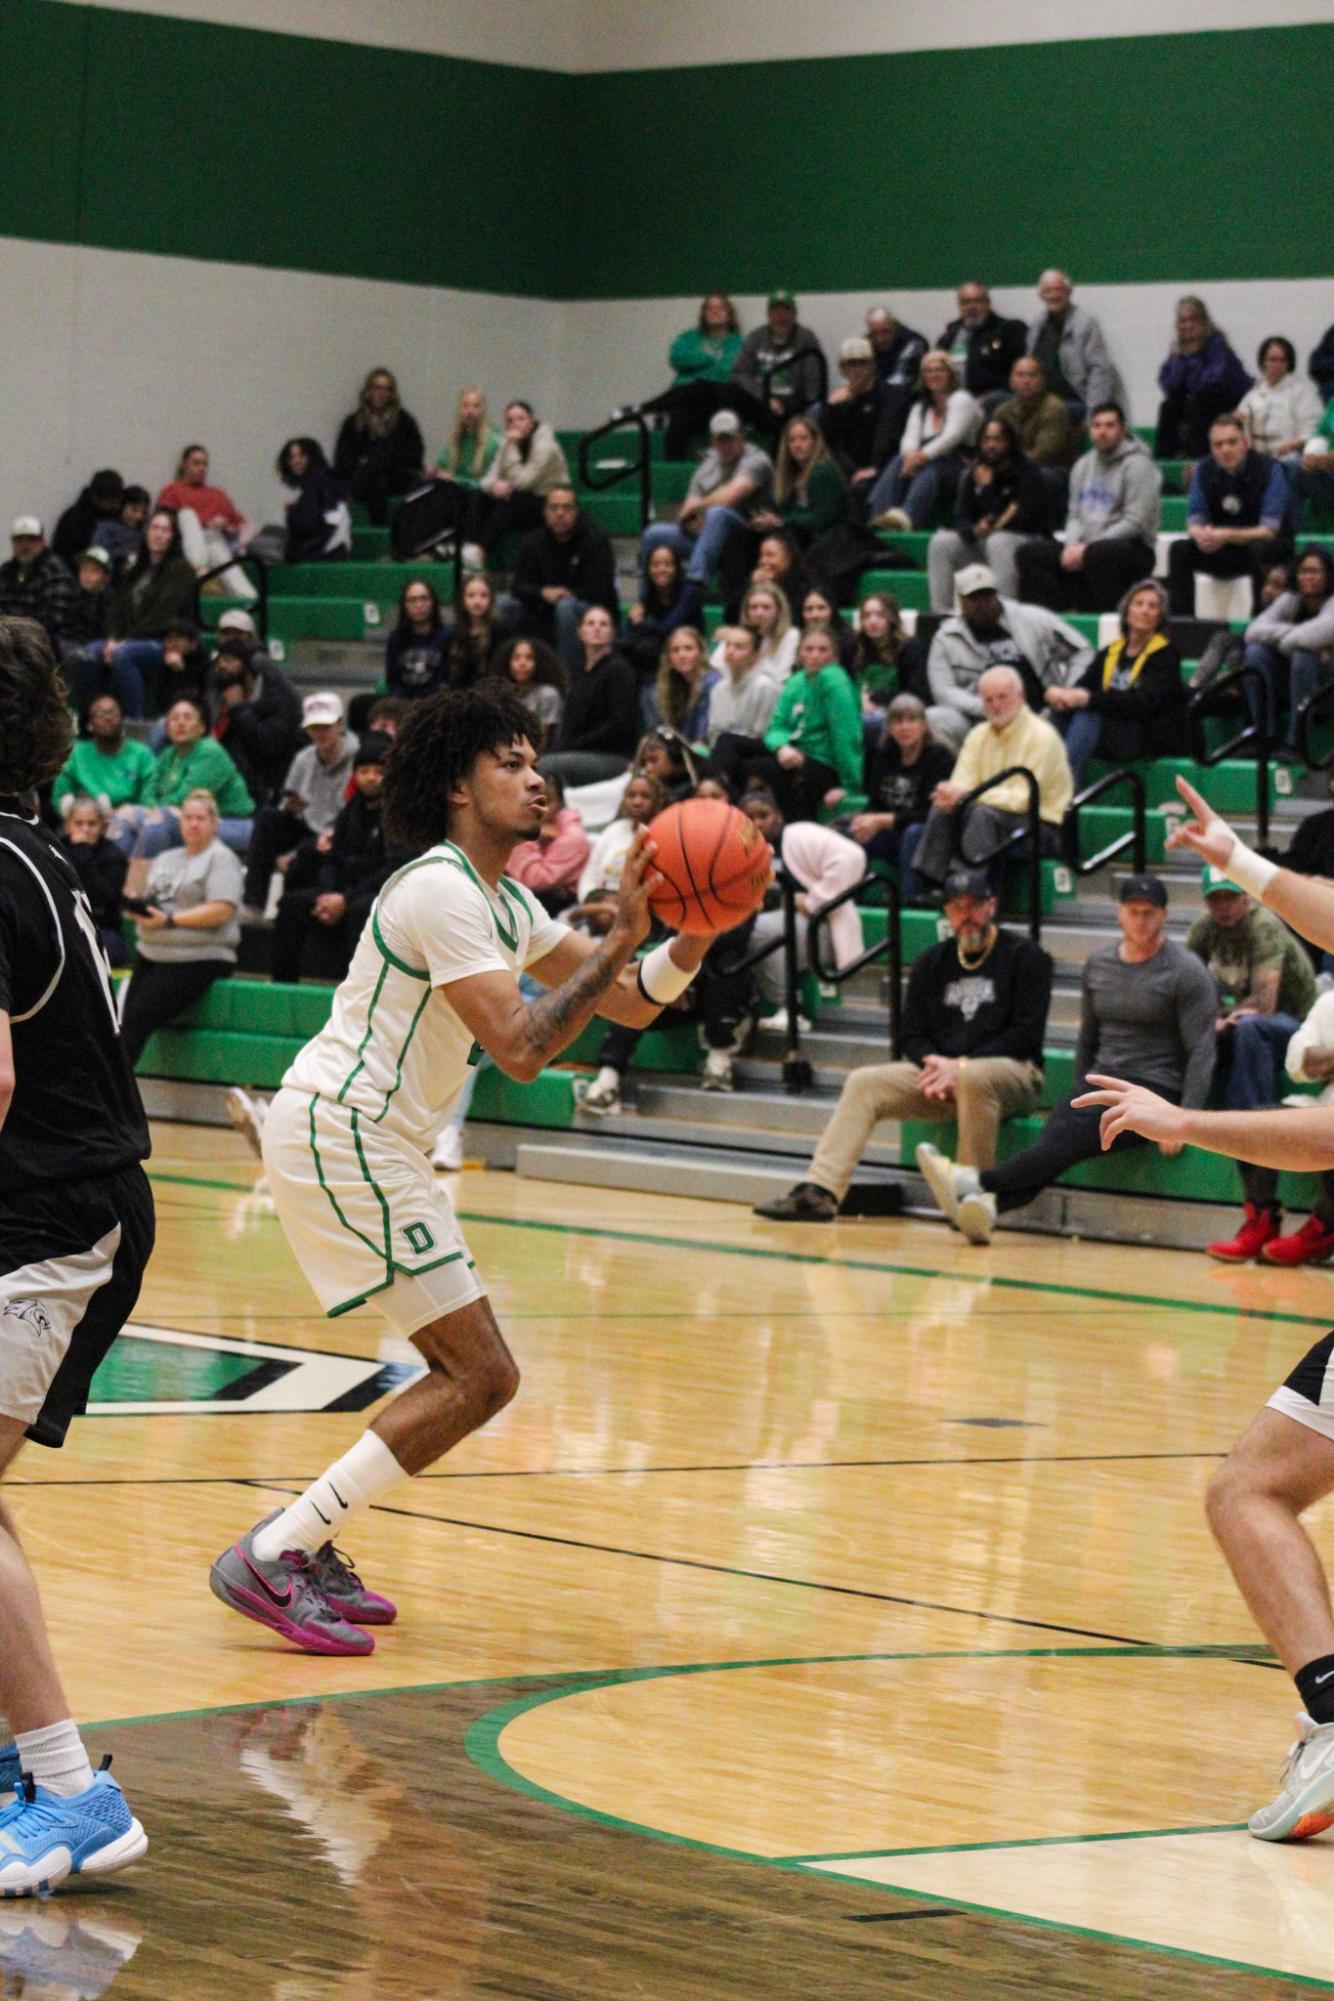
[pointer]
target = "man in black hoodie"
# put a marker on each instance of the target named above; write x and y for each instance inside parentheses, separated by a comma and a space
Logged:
(258, 718)
(560, 569)
(983, 346)
(332, 882)
(86, 522)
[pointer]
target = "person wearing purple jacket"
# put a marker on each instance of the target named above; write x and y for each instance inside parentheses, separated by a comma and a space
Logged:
(1200, 380)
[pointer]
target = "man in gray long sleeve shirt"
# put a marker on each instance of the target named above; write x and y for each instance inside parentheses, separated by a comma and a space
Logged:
(1145, 1014)
(313, 793)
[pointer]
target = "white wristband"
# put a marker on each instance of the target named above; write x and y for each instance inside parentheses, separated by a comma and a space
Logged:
(660, 978)
(1248, 870)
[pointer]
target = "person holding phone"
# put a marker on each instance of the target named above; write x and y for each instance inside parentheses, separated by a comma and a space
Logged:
(187, 923)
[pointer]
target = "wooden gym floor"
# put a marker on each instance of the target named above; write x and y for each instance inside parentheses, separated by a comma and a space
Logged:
(832, 1612)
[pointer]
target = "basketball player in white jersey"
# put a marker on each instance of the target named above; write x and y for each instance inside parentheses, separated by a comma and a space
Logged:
(347, 1140)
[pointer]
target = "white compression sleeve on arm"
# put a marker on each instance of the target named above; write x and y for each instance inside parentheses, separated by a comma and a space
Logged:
(1248, 870)
(660, 978)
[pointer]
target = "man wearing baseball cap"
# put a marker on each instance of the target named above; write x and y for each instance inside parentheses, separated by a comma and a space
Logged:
(780, 370)
(989, 630)
(864, 417)
(972, 1051)
(1264, 989)
(730, 483)
(1146, 1012)
(35, 583)
(313, 792)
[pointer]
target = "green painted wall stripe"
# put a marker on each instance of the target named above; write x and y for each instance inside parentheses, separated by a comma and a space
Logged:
(1131, 159)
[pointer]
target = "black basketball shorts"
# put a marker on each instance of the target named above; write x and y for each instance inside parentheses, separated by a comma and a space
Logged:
(1308, 1394)
(72, 1259)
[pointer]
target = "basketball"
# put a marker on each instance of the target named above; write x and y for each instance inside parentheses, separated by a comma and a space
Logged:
(714, 865)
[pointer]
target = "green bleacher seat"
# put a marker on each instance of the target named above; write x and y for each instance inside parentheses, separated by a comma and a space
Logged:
(910, 587)
(1229, 786)
(380, 582)
(616, 511)
(1101, 825)
(1173, 521)
(292, 619)
(911, 543)
(370, 545)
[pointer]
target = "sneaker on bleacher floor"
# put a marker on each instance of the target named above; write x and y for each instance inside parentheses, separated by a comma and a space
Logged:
(778, 1022)
(937, 1170)
(717, 1072)
(474, 558)
(895, 520)
(447, 1153)
(601, 1098)
(976, 1213)
(1313, 1244)
(806, 1203)
(248, 1114)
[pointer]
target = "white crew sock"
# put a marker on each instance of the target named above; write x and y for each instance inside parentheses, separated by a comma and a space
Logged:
(607, 1079)
(56, 1758)
(352, 1483)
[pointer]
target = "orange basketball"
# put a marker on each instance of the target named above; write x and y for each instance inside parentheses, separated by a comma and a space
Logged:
(714, 865)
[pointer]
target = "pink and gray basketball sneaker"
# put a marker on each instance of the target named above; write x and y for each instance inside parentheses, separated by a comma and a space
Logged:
(286, 1596)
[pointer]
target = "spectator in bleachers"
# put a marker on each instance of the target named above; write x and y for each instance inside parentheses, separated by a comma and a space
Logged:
(731, 483)
(92, 515)
(552, 862)
(529, 465)
(810, 493)
(665, 755)
(536, 676)
(157, 591)
(863, 418)
(681, 693)
(823, 864)
(1315, 468)
(779, 561)
(100, 867)
(387, 714)
(1111, 527)
(980, 345)
(1321, 365)
(472, 444)
(903, 769)
(258, 720)
(1130, 703)
(1069, 344)
(703, 358)
(876, 653)
(765, 609)
(416, 650)
(329, 888)
(743, 700)
(1292, 639)
(1237, 515)
(991, 631)
(185, 669)
(312, 794)
(657, 611)
(1264, 989)
(191, 761)
(1284, 409)
(921, 478)
(211, 526)
(34, 583)
(189, 935)
(104, 763)
(898, 354)
(476, 632)
(1041, 421)
(600, 876)
(1001, 503)
(600, 724)
(1145, 1013)
(820, 612)
(1310, 1060)
(973, 1024)
(1201, 379)
(814, 741)
(379, 452)
(319, 521)
(88, 616)
(561, 568)
(1311, 851)
(134, 512)
(1011, 734)
(791, 358)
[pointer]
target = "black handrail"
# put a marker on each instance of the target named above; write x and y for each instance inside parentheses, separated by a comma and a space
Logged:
(259, 610)
(1136, 840)
(891, 945)
(1317, 708)
(817, 354)
(1031, 831)
(608, 476)
(796, 1069)
(1256, 733)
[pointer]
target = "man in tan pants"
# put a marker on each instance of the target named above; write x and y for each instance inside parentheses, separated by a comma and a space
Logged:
(973, 1025)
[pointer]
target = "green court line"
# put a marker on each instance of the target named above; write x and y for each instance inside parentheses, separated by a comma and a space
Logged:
(989, 1279)
(482, 1744)
(1026, 1841)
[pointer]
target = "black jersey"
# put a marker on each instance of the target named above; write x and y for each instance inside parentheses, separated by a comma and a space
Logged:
(76, 1111)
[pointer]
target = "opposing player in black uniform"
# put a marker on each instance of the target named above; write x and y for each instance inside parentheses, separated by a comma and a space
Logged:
(76, 1230)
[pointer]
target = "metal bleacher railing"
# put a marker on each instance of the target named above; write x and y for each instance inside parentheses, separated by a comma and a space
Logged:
(889, 947)
(254, 569)
(597, 479)
(1135, 839)
(1319, 708)
(1030, 833)
(1256, 734)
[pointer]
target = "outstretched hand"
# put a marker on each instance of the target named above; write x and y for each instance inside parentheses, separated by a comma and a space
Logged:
(1205, 832)
(1130, 1108)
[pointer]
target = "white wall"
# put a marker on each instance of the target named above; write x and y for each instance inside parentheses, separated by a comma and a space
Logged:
(120, 359)
(536, 34)
(615, 351)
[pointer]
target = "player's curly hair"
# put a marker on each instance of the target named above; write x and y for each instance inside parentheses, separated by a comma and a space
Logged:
(436, 748)
(36, 727)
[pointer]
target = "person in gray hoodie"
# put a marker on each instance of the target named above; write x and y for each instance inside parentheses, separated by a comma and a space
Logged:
(790, 356)
(1116, 494)
(1070, 345)
(992, 631)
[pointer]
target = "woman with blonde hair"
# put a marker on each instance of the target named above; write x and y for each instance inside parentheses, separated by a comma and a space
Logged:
(471, 445)
(1130, 703)
(680, 695)
(943, 423)
(380, 450)
(810, 492)
(765, 609)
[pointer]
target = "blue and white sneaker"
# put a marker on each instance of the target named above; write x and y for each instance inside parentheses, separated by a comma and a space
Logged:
(46, 1836)
(11, 1770)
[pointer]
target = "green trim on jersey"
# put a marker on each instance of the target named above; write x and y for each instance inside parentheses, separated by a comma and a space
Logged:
(402, 1055)
(351, 1228)
(347, 1082)
(375, 1189)
(461, 861)
(391, 958)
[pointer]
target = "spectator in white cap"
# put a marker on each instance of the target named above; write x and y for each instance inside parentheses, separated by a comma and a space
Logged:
(864, 417)
(313, 793)
(989, 630)
(732, 481)
(34, 583)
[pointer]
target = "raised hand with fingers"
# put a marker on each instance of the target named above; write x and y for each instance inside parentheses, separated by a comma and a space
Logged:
(1206, 832)
(1131, 1108)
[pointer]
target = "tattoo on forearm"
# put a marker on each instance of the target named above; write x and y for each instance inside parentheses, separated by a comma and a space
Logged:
(555, 1020)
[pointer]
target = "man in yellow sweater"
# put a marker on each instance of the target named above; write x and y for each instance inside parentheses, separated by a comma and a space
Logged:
(1011, 735)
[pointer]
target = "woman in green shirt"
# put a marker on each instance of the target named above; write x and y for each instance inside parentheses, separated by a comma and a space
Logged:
(472, 444)
(191, 762)
(702, 357)
(816, 732)
(104, 763)
(810, 492)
